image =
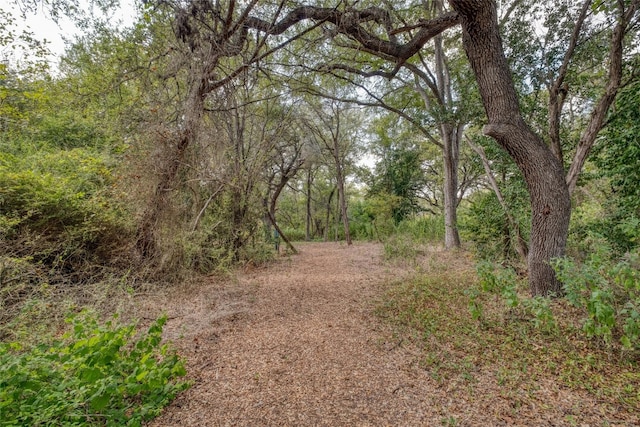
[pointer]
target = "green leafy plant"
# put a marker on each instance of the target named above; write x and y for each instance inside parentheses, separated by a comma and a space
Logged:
(97, 374)
(522, 348)
(503, 282)
(539, 310)
(499, 281)
(609, 295)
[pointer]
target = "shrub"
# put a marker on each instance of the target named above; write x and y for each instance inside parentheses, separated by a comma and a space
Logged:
(400, 247)
(503, 282)
(424, 228)
(609, 295)
(95, 375)
(57, 205)
(483, 222)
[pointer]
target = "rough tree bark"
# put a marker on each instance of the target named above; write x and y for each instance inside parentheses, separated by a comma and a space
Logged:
(542, 171)
(451, 158)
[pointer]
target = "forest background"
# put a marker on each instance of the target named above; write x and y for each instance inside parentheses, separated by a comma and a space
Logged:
(193, 140)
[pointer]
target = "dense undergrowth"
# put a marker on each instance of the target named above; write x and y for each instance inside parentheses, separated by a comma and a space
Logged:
(482, 323)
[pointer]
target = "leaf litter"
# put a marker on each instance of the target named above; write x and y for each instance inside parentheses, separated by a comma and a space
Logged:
(301, 343)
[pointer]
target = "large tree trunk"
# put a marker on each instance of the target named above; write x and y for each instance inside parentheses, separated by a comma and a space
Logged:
(543, 172)
(451, 142)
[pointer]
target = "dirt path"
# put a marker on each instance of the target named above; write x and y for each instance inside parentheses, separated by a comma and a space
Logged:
(297, 344)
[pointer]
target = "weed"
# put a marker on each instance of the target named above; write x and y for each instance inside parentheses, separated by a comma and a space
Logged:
(95, 375)
(518, 344)
(608, 294)
(449, 421)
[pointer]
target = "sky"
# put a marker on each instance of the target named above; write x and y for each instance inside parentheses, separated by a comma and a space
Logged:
(44, 28)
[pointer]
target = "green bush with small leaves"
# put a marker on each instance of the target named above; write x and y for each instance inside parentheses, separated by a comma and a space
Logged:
(608, 293)
(59, 206)
(95, 375)
(503, 282)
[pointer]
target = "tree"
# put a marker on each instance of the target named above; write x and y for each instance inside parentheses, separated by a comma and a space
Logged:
(542, 171)
(212, 51)
(372, 29)
(286, 159)
(333, 129)
(424, 82)
(399, 171)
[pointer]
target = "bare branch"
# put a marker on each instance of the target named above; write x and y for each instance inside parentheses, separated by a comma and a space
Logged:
(379, 103)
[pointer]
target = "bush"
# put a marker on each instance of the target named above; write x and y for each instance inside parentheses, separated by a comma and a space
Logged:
(410, 237)
(293, 234)
(504, 283)
(95, 375)
(400, 247)
(484, 223)
(609, 295)
(425, 228)
(57, 205)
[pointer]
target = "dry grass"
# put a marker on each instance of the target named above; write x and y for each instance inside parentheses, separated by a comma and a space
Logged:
(299, 343)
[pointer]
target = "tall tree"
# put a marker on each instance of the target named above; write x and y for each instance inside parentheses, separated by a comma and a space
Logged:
(334, 126)
(225, 36)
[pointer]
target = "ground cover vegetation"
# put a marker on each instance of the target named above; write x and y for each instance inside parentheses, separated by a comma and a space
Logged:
(201, 136)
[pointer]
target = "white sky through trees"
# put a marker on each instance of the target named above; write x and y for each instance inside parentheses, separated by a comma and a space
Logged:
(45, 29)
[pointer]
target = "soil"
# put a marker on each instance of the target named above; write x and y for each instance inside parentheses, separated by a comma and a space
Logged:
(298, 343)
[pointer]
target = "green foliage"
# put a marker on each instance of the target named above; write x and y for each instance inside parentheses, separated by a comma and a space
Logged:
(498, 281)
(410, 237)
(618, 161)
(399, 175)
(56, 205)
(484, 222)
(504, 283)
(521, 348)
(97, 374)
(400, 247)
(372, 219)
(608, 294)
(423, 228)
(295, 234)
